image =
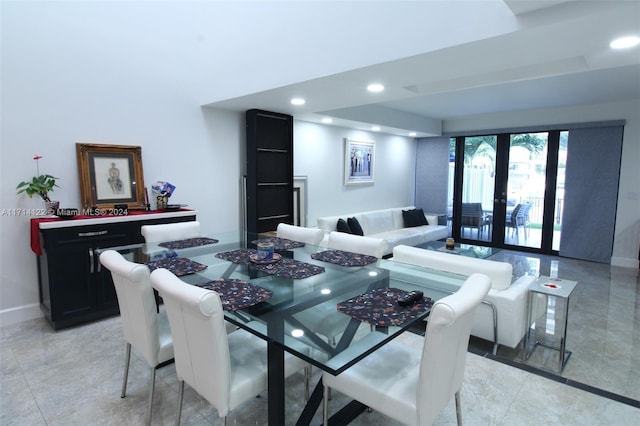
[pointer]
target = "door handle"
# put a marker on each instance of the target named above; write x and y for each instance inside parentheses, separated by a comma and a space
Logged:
(91, 263)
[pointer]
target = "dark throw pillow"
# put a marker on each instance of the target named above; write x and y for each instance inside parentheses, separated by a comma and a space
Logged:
(413, 218)
(356, 229)
(343, 226)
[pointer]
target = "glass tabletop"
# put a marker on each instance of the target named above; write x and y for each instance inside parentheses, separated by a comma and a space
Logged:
(321, 311)
(469, 250)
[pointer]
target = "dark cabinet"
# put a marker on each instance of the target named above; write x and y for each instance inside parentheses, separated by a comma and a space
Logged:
(74, 288)
(269, 170)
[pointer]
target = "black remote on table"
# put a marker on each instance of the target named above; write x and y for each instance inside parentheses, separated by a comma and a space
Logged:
(410, 298)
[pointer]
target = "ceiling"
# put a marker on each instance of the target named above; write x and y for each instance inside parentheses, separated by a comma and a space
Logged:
(543, 54)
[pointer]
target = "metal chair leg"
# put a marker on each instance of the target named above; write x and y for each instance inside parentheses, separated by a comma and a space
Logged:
(152, 388)
(180, 395)
(127, 359)
(325, 405)
(458, 411)
(307, 375)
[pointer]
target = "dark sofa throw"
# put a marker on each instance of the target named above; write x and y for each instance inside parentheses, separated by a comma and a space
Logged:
(414, 218)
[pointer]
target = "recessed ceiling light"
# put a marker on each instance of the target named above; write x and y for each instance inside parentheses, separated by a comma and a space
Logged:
(327, 120)
(375, 87)
(625, 42)
(297, 101)
(376, 128)
(413, 134)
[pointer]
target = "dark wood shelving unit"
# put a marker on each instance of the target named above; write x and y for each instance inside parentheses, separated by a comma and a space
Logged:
(269, 189)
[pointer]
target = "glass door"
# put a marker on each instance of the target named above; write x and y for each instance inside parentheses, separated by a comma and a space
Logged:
(508, 190)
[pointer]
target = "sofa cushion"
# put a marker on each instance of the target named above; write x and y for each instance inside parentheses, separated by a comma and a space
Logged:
(413, 218)
(355, 227)
(377, 221)
(343, 226)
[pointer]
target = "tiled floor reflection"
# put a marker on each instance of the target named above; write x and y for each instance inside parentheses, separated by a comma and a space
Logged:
(73, 376)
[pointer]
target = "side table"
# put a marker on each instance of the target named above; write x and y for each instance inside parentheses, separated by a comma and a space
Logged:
(557, 292)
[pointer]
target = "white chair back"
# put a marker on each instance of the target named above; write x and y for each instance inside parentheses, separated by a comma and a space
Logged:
(137, 305)
(445, 348)
(200, 338)
(371, 246)
(311, 236)
(170, 231)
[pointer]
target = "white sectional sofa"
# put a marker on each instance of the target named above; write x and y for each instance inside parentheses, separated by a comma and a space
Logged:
(508, 295)
(388, 224)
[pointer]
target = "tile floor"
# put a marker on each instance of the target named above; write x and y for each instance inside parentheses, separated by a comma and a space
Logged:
(73, 376)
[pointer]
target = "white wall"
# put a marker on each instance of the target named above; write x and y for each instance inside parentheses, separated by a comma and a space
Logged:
(319, 155)
(627, 234)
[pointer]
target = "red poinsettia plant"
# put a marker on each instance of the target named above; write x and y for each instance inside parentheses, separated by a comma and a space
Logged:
(39, 184)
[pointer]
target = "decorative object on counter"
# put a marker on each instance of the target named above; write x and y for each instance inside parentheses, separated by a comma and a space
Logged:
(109, 175)
(40, 185)
(164, 190)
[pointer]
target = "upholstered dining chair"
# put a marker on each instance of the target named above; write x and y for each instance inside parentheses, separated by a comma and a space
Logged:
(144, 328)
(225, 369)
(311, 236)
(170, 231)
(414, 385)
(371, 246)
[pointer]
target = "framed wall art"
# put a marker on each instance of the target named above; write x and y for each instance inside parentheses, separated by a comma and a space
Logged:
(110, 175)
(359, 161)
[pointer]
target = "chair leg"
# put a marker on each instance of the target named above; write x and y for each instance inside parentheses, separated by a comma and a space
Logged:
(152, 386)
(307, 375)
(127, 359)
(180, 395)
(458, 411)
(325, 405)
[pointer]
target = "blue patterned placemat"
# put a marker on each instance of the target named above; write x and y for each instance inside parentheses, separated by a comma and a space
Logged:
(178, 265)
(284, 268)
(291, 269)
(188, 243)
(280, 243)
(380, 307)
(344, 258)
(237, 294)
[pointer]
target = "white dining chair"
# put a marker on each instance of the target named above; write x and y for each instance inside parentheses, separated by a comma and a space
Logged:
(225, 369)
(371, 246)
(144, 328)
(413, 385)
(170, 231)
(312, 236)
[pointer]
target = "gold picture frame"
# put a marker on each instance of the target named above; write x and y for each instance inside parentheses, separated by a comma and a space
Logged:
(110, 175)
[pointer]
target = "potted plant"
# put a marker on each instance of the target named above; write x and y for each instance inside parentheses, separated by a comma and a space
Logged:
(40, 185)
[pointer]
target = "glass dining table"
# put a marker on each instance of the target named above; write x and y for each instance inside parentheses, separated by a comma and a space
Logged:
(329, 307)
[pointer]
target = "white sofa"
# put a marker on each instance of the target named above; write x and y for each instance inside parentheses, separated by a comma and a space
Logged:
(508, 295)
(388, 225)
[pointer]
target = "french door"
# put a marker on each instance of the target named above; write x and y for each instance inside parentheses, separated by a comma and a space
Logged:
(507, 189)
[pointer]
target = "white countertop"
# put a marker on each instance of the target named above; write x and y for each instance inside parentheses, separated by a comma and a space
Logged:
(114, 219)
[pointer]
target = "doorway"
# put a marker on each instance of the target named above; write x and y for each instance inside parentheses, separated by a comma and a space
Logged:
(507, 190)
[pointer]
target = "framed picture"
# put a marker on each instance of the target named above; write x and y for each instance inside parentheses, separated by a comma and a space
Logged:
(359, 161)
(110, 175)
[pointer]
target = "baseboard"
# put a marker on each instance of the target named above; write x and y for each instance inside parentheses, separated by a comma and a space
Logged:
(19, 314)
(625, 262)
